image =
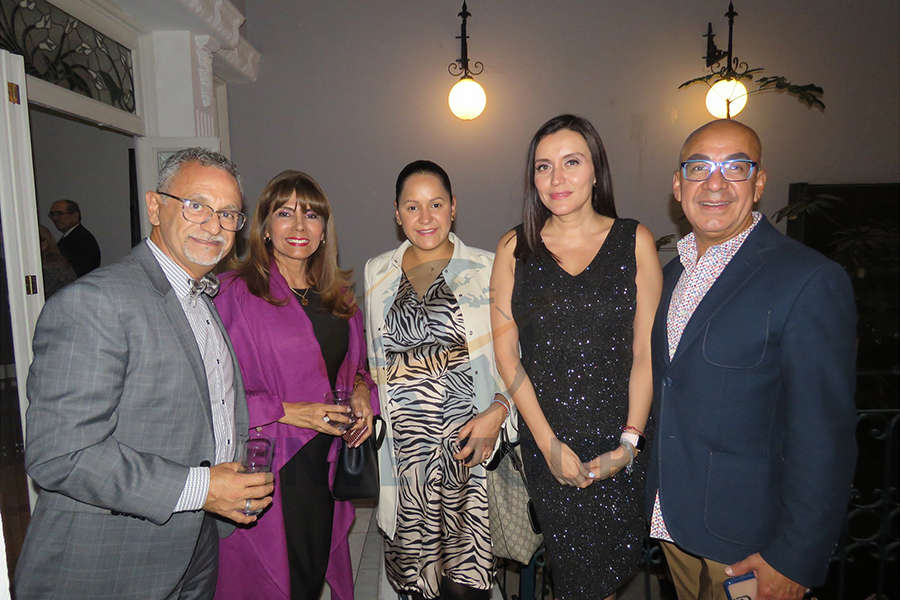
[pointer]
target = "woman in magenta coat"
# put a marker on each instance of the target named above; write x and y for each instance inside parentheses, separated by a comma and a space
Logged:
(298, 334)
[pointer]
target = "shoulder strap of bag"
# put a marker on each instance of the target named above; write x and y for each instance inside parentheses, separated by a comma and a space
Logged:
(379, 435)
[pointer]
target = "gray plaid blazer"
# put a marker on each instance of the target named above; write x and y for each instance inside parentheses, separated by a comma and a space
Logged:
(118, 411)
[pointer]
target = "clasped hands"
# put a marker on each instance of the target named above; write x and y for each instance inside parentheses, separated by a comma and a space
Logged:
(568, 468)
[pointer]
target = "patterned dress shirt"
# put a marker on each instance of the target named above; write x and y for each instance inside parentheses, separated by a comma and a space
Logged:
(698, 277)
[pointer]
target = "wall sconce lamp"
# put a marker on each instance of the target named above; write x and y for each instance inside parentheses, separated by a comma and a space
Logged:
(467, 98)
(727, 95)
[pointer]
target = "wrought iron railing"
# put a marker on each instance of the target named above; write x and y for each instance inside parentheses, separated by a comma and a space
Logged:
(865, 563)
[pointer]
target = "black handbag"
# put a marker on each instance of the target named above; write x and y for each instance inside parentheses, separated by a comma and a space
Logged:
(357, 469)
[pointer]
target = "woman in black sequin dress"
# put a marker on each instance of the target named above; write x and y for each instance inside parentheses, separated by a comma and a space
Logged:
(576, 290)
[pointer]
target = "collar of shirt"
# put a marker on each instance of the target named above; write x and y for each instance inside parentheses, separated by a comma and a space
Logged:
(178, 277)
(687, 246)
(69, 230)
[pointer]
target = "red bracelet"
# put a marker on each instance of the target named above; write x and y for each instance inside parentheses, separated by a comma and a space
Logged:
(633, 430)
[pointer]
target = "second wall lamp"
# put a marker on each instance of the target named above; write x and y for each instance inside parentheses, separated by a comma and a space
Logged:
(467, 98)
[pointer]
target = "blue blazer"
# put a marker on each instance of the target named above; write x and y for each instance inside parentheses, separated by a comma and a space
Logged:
(754, 446)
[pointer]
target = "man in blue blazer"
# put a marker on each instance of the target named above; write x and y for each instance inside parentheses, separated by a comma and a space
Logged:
(754, 377)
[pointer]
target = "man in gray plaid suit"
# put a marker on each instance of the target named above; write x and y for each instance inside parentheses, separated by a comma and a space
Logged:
(136, 407)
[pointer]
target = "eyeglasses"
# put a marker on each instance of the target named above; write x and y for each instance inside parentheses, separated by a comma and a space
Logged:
(59, 213)
(740, 169)
(200, 213)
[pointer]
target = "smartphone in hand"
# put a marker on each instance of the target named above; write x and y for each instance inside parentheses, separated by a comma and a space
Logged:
(351, 436)
(742, 587)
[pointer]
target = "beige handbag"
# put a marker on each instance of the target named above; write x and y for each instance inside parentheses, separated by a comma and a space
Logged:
(515, 533)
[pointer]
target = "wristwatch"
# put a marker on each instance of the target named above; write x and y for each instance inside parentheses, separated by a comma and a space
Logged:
(638, 441)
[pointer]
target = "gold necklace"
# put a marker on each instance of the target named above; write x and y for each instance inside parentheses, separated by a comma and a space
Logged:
(302, 297)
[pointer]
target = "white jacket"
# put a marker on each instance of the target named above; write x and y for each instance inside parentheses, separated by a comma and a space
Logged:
(468, 276)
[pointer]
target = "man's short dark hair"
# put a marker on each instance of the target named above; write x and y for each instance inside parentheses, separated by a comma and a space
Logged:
(71, 206)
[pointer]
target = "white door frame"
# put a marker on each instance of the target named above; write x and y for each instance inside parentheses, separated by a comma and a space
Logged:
(19, 219)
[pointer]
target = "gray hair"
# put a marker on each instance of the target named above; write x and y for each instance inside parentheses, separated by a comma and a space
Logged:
(205, 157)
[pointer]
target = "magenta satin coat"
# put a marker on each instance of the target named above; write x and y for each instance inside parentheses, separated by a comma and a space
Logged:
(281, 361)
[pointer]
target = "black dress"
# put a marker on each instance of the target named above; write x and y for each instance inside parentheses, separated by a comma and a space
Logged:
(575, 334)
(307, 505)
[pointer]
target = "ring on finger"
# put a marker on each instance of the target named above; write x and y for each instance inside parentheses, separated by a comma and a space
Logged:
(326, 419)
(247, 506)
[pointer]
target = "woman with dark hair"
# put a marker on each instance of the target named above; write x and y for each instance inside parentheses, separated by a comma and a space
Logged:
(429, 339)
(297, 334)
(575, 290)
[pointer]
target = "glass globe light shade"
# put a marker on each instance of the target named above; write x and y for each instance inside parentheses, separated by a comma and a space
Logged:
(726, 98)
(467, 99)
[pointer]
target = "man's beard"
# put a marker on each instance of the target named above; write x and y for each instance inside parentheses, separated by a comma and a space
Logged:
(197, 259)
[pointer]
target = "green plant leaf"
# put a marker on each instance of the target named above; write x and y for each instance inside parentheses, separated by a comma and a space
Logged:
(705, 79)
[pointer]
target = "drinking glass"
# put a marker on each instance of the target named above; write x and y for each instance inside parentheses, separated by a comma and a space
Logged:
(340, 398)
(256, 457)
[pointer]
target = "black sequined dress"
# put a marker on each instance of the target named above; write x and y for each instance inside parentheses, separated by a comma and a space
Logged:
(575, 334)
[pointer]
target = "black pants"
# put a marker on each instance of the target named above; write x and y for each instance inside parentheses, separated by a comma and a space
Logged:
(308, 510)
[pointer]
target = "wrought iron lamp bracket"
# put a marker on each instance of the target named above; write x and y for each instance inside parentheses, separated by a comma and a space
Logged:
(733, 67)
(461, 67)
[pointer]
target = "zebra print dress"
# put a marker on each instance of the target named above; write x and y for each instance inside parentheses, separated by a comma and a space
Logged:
(442, 514)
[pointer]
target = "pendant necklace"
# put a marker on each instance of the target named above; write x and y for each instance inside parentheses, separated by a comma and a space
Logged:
(302, 297)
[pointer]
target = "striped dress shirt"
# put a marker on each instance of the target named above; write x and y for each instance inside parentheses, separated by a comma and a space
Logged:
(219, 378)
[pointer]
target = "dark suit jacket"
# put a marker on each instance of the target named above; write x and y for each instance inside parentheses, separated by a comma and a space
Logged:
(118, 411)
(81, 249)
(754, 448)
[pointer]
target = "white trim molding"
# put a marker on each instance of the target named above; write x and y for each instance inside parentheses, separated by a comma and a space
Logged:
(48, 95)
(237, 65)
(221, 16)
(204, 47)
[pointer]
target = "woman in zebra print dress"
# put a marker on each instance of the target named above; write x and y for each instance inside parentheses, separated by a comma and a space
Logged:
(428, 325)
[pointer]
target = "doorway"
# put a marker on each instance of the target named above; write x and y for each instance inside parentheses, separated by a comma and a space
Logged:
(79, 161)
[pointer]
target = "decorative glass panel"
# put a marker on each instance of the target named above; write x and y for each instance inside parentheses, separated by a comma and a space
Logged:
(60, 49)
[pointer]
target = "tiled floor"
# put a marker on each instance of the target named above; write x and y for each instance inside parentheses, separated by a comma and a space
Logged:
(366, 556)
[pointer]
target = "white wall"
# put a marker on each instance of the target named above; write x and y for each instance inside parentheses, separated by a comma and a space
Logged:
(90, 166)
(352, 91)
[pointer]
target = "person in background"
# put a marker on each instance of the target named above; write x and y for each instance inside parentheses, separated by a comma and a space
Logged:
(297, 332)
(429, 339)
(77, 244)
(575, 289)
(754, 368)
(55, 268)
(136, 408)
